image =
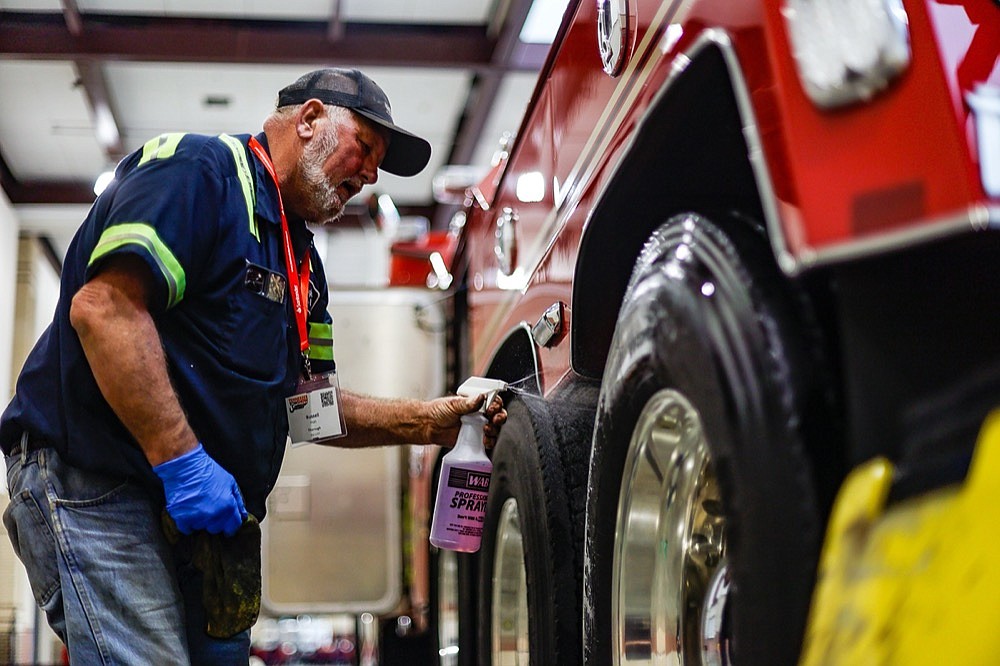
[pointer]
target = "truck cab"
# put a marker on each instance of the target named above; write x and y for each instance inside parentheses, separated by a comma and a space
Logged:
(734, 251)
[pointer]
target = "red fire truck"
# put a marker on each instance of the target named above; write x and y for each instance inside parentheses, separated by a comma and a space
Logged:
(735, 249)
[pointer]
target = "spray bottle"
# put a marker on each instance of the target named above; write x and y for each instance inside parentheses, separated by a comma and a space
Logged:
(465, 477)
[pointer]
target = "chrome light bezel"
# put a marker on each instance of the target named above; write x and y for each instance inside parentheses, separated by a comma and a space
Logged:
(846, 51)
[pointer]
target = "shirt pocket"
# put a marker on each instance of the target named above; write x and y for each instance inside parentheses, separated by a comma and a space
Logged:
(255, 340)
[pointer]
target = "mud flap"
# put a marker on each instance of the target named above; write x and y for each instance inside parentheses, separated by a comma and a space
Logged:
(914, 583)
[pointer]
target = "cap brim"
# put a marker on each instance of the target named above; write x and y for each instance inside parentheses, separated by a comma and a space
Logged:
(407, 154)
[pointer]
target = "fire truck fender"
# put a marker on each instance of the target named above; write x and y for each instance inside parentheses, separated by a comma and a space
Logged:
(516, 360)
(696, 149)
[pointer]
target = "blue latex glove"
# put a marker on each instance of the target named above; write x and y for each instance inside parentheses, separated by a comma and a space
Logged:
(200, 494)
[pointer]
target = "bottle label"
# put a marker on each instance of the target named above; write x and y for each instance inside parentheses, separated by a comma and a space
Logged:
(460, 509)
(469, 494)
(467, 479)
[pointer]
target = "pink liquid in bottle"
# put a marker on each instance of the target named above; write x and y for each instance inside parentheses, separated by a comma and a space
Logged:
(462, 490)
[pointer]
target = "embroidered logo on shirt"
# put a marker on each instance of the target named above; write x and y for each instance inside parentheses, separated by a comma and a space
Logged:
(313, 294)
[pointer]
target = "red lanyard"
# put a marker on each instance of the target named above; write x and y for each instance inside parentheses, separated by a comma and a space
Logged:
(298, 283)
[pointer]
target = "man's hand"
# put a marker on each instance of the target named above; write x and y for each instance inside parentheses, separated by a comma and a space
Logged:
(200, 494)
(446, 418)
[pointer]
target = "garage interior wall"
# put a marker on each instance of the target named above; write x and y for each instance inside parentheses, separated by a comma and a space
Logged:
(8, 281)
(29, 288)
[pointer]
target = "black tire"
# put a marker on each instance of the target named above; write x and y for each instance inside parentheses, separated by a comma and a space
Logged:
(712, 361)
(540, 468)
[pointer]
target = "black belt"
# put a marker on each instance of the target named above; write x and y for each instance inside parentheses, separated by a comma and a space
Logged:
(26, 443)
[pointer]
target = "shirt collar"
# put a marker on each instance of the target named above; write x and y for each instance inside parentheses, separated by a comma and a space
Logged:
(267, 200)
(266, 206)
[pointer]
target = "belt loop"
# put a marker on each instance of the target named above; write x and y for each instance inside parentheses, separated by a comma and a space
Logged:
(24, 448)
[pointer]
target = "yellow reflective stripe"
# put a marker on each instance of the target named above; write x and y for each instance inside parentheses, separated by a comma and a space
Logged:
(161, 147)
(317, 353)
(320, 341)
(143, 235)
(246, 179)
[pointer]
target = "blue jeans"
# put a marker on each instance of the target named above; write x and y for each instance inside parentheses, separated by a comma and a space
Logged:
(100, 567)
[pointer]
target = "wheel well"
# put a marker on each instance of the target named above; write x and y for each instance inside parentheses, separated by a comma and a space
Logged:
(515, 361)
(690, 154)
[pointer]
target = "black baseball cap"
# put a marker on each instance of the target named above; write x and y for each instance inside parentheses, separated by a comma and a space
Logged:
(407, 153)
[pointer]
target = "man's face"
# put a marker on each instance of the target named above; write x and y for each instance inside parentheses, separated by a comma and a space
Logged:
(336, 163)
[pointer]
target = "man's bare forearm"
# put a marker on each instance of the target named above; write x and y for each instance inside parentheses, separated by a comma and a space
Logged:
(382, 421)
(124, 351)
(395, 421)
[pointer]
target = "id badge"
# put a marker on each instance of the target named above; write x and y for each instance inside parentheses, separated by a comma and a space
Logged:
(314, 413)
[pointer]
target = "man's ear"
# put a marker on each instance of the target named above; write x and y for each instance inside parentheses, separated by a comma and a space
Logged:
(309, 113)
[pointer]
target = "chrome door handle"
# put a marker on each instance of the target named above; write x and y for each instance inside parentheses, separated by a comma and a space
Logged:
(505, 247)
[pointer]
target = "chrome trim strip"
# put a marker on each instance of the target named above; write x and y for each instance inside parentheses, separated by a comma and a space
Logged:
(755, 147)
(566, 200)
(976, 218)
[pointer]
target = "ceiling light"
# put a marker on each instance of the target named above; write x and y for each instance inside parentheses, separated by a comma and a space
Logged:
(543, 21)
(103, 181)
(530, 187)
(220, 101)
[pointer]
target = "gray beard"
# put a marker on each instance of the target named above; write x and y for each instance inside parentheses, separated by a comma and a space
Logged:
(323, 202)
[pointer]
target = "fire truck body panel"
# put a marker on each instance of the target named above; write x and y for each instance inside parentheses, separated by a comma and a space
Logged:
(691, 234)
(831, 184)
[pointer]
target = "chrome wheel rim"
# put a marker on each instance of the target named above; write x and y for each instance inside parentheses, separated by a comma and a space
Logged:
(447, 608)
(668, 595)
(509, 604)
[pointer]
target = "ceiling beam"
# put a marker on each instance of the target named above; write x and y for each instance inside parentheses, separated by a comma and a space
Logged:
(90, 75)
(46, 36)
(90, 39)
(107, 126)
(49, 192)
(335, 26)
(43, 192)
(10, 184)
(71, 15)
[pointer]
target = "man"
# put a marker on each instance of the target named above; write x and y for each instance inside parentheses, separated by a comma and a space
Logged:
(192, 304)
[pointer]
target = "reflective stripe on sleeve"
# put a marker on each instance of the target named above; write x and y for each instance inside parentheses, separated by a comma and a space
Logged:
(246, 179)
(320, 342)
(143, 235)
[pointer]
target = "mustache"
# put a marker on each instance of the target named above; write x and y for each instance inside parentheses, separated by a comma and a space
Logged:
(353, 186)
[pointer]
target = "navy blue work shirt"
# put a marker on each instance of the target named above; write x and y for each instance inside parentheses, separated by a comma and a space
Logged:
(203, 213)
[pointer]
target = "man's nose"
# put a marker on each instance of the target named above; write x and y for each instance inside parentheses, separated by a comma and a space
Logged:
(369, 173)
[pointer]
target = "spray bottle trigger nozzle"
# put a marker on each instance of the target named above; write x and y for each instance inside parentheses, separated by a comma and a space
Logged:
(489, 401)
(474, 386)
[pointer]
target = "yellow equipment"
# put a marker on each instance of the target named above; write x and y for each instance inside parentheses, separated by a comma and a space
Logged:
(917, 583)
